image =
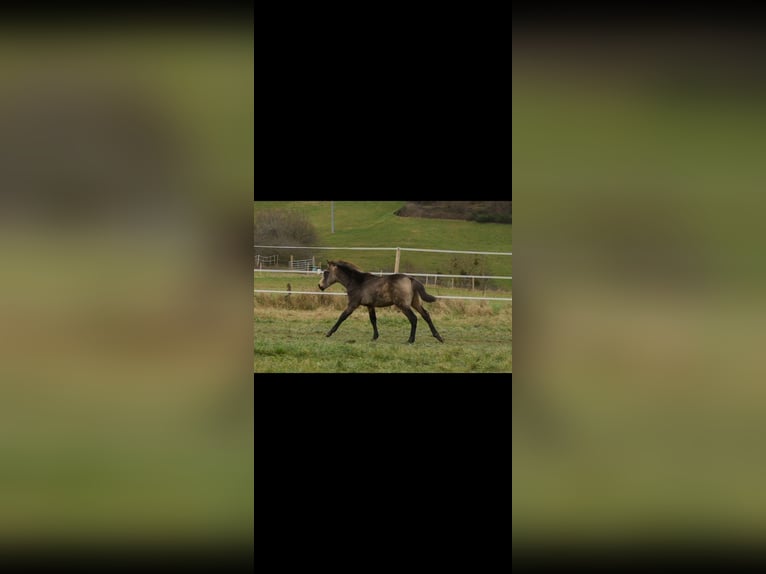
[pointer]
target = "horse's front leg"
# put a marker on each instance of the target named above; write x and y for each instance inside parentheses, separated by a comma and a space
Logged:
(343, 316)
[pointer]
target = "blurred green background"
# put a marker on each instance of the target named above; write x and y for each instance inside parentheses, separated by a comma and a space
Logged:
(638, 172)
(126, 173)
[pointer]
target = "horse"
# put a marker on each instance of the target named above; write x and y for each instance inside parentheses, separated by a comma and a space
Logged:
(366, 289)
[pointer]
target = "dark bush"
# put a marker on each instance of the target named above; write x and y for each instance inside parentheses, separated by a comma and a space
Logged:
(480, 211)
(284, 227)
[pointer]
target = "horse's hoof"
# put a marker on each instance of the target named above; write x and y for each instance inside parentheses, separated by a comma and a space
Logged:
(328, 334)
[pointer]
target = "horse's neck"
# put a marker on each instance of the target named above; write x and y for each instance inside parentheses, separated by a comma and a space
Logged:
(345, 278)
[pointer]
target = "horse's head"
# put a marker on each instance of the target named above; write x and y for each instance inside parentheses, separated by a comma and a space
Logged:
(328, 276)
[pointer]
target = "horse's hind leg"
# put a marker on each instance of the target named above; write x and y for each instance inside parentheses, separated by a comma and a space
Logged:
(413, 322)
(427, 317)
(374, 321)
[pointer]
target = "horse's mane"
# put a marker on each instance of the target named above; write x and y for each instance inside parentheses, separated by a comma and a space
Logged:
(346, 266)
(342, 263)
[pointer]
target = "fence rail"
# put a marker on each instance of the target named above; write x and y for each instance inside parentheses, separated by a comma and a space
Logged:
(302, 264)
(267, 260)
(343, 294)
(302, 271)
(306, 266)
(384, 249)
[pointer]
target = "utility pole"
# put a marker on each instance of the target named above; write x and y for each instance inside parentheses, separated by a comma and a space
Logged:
(332, 216)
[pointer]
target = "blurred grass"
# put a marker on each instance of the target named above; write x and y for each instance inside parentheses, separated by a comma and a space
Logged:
(126, 400)
(639, 400)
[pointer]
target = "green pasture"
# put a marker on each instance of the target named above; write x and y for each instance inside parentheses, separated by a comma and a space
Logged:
(642, 414)
(373, 224)
(108, 434)
(289, 336)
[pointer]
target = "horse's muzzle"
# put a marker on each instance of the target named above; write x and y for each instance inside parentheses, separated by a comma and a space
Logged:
(320, 287)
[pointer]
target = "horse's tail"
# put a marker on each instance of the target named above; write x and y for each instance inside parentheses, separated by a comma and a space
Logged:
(422, 291)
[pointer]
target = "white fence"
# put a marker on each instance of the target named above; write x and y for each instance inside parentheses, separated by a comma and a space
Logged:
(397, 249)
(430, 278)
(305, 266)
(323, 293)
(260, 260)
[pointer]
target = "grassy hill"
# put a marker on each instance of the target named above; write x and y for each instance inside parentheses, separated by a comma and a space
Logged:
(373, 224)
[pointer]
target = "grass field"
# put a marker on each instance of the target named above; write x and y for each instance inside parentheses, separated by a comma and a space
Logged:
(288, 337)
(289, 333)
(373, 224)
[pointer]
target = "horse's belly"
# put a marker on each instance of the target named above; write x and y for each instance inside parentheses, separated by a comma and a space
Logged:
(373, 301)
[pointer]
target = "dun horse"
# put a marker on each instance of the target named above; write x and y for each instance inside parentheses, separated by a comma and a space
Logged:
(373, 291)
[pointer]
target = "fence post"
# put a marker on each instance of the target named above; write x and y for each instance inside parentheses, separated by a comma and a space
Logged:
(396, 263)
(472, 283)
(291, 261)
(313, 262)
